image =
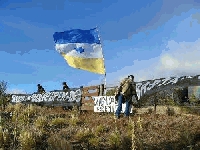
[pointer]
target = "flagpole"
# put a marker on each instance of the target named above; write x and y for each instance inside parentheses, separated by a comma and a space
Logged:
(105, 90)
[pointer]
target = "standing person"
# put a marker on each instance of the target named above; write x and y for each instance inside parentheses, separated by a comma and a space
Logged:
(124, 94)
(65, 86)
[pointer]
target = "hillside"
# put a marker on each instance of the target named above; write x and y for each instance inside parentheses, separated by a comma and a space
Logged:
(32, 127)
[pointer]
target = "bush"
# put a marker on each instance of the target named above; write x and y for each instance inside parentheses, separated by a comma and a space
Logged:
(84, 135)
(193, 100)
(170, 111)
(56, 142)
(115, 139)
(150, 110)
(41, 122)
(58, 122)
(27, 139)
(110, 92)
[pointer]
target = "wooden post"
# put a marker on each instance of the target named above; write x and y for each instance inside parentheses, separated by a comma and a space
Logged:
(155, 104)
(81, 87)
(101, 90)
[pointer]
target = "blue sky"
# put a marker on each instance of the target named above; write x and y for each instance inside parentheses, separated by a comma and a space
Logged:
(149, 39)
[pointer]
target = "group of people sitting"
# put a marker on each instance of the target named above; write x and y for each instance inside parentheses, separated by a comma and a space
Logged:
(42, 90)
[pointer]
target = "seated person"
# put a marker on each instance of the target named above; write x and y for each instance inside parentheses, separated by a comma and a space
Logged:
(40, 89)
(43, 91)
(65, 86)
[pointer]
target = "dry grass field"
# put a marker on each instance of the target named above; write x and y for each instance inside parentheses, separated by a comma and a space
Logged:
(32, 127)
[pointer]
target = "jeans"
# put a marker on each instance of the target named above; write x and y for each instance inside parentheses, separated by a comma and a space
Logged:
(119, 109)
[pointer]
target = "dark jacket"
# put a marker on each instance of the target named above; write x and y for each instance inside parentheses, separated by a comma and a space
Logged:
(65, 88)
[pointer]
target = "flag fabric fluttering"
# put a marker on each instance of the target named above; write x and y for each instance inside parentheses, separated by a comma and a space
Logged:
(81, 49)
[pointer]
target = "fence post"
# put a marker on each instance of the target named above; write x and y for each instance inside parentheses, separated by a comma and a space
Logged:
(101, 90)
(81, 87)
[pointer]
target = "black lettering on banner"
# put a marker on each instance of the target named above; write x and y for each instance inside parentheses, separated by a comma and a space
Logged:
(45, 96)
(99, 109)
(161, 82)
(28, 97)
(51, 98)
(108, 101)
(95, 101)
(144, 88)
(107, 108)
(78, 94)
(101, 102)
(138, 85)
(73, 95)
(155, 82)
(55, 95)
(102, 106)
(112, 99)
(174, 80)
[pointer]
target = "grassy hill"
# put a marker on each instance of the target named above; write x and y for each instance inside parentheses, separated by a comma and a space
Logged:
(33, 127)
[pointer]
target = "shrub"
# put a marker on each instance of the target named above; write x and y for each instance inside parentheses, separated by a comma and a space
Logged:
(10, 108)
(150, 110)
(170, 111)
(114, 139)
(100, 129)
(58, 122)
(110, 92)
(56, 142)
(41, 122)
(74, 120)
(94, 141)
(27, 140)
(18, 108)
(193, 100)
(30, 111)
(84, 134)
(170, 102)
(1, 137)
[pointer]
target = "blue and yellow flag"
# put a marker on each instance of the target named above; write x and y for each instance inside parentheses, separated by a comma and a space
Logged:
(81, 49)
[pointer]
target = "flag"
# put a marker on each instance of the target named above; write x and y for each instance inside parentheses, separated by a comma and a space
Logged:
(81, 49)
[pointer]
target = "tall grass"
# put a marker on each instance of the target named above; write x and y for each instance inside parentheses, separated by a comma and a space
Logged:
(39, 128)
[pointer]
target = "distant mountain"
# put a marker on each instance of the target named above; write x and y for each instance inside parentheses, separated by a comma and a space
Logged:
(149, 87)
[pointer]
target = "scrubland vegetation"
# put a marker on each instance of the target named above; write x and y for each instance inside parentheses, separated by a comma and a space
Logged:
(162, 126)
(32, 127)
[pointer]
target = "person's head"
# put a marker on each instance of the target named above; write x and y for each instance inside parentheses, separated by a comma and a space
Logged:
(131, 77)
(38, 85)
(64, 83)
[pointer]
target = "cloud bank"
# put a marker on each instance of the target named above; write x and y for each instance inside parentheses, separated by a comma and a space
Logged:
(181, 58)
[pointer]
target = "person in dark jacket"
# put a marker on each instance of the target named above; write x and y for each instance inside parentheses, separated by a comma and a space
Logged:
(124, 94)
(40, 89)
(65, 86)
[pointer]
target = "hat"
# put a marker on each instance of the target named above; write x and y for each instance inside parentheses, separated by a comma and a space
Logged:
(131, 76)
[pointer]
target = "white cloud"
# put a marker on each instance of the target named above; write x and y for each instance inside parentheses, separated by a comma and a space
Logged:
(169, 62)
(180, 59)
